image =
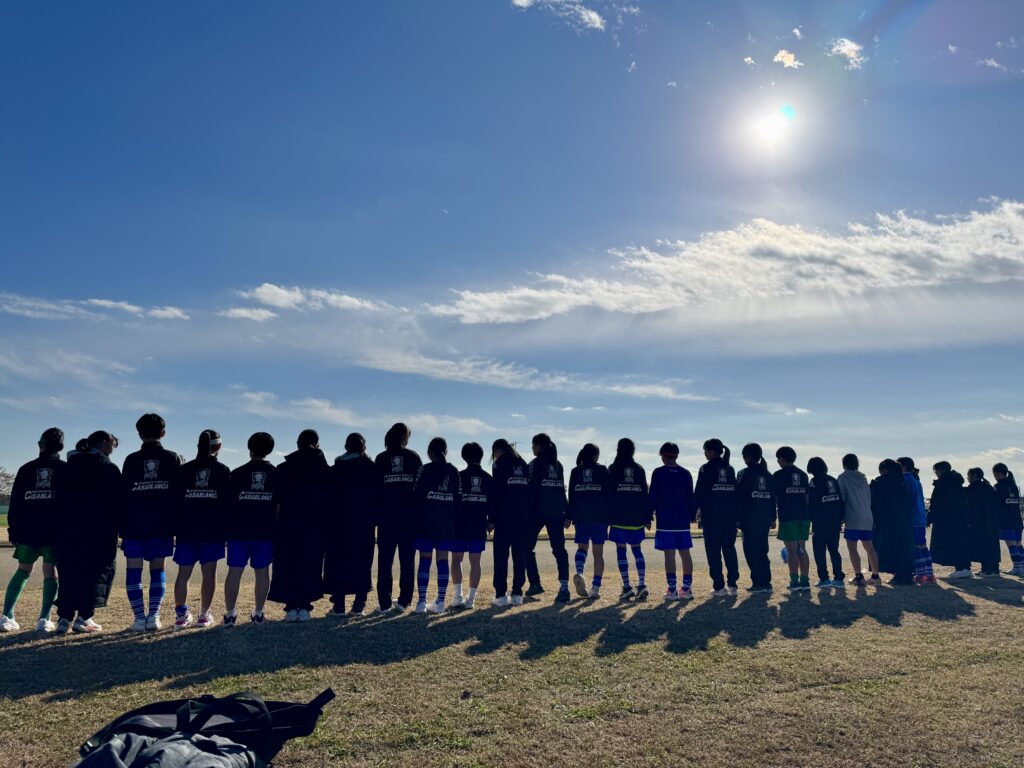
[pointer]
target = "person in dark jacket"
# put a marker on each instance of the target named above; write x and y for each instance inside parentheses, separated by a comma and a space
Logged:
(87, 534)
(438, 497)
(36, 497)
(893, 510)
(589, 489)
(471, 524)
(304, 484)
(947, 515)
(549, 509)
(825, 506)
(510, 510)
(199, 529)
(252, 520)
(983, 522)
(350, 532)
(1010, 521)
(715, 497)
(629, 514)
(150, 476)
(396, 521)
(672, 504)
(755, 512)
(789, 484)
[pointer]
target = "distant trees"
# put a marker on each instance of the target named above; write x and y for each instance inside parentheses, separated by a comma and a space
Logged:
(6, 484)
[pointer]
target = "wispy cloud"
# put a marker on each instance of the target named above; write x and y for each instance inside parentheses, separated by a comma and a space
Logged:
(292, 298)
(797, 33)
(748, 60)
(576, 13)
(991, 64)
(853, 52)
(258, 315)
(42, 309)
(952, 49)
(168, 313)
(787, 59)
(123, 306)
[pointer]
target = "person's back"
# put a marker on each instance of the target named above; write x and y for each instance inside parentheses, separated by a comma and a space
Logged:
(149, 476)
(630, 505)
(856, 494)
(36, 498)
(94, 496)
(547, 483)
(983, 523)
(473, 513)
(588, 494)
(511, 490)
(671, 497)
(204, 501)
(438, 495)
(790, 485)
(716, 494)
(304, 480)
(1008, 498)
(755, 504)
(824, 502)
(892, 508)
(252, 514)
(398, 467)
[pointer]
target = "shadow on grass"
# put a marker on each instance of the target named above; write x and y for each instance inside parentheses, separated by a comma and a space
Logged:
(66, 668)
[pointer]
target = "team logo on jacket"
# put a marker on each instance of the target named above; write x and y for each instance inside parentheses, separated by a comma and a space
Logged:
(259, 481)
(203, 478)
(150, 468)
(552, 473)
(831, 487)
(723, 475)
(796, 478)
(627, 475)
(588, 475)
(762, 484)
(517, 471)
(444, 485)
(44, 477)
(397, 464)
(476, 485)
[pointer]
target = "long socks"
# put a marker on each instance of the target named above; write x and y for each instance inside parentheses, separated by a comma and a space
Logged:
(14, 589)
(687, 581)
(49, 596)
(641, 565)
(442, 580)
(597, 581)
(133, 585)
(1016, 555)
(923, 562)
(157, 590)
(581, 560)
(623, 566)
(671, 578)
(457, 589)
(423, 577)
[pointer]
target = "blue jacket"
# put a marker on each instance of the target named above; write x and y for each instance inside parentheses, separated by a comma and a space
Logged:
(672, 497)
(914, 486)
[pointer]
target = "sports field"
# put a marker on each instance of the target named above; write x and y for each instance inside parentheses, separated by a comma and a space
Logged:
(925, 676)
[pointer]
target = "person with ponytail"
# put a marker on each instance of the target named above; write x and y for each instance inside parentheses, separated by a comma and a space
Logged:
(438, 496)
(512, 521)
(1010, 522)
(924, 573)
(672, 504)
(200, 529)
(825, 506)
(472, 521)
(630, 514)
(790, 486)
(32, 519)
(715, 497)
(893, 511)
(398, 467)
(549, 509)
(589, 489)
(983, 522)
(859, 524)
(947, 515)
(755, 512)
(150, 503)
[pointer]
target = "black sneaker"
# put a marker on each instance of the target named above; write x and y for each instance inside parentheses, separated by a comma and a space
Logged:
(563, 595)
(642, 593)
(256, 618)
(627, 593)
(534, 589)
(229, 621)
(858, 580)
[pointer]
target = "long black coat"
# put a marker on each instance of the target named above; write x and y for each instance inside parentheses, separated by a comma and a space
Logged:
(947, 514)
(892, 508)
(350, 525)
(983, 524)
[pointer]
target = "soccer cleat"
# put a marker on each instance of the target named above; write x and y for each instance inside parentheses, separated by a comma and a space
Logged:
(257, 618)
(421, 606)
(45, 625)
(291, 616)
(436, 607)
(671, 595)
(627, 593)
(723, 592)
(961, 573)
(500, 602)
(686, 594)
(63, 627)
(153, 623)
(563, 595)
(205, 620)
(229, 619)
(534, 590)
(7, 624)
(517, 599)
(642, 593)
(85, 627)
(184, 621)
(580, 585)
(139, 625)
(304, 615)
(595, 592)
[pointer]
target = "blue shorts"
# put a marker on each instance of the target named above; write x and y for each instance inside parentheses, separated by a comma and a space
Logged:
(1010, 534)
(148, 549)
(429, 545)
(855, 534)
(672, 540)
(624, 536)
(190, 553)
(919, 538)
(473, 546)
(590, 533)
(243, 552)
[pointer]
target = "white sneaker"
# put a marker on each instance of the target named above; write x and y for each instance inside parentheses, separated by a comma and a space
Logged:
(458, 602)
(500, 602)
(63, 627)
(399, 608)
(304, 615)
(963, 573)
(685, 594)
(517, 599)
(421, 606)
(723, 592)
(184, 622)
(580, 584)
(45, 625)
(595, 592)
(85, 627)
(671, 595)
(153, 623)
(139, 625)
(468, 605)
(205, 620)
(7, 624)
(732, 591)
(292, 616)
(436, 607)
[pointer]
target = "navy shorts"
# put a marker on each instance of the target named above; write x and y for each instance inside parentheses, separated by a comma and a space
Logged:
(919, 538)
(672, 540)
(624, 536)
(1010, 534)
(148, 549)
(190, 553)
(473, 546)
(243, 552)
(429, 545)
(855, 534)
(591, 533)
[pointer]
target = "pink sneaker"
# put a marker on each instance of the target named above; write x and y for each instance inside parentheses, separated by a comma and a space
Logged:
(205, 620)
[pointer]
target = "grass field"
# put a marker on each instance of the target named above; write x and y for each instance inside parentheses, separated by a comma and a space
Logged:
(883, 677)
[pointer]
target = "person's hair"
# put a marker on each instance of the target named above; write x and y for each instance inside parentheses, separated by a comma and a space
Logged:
(850, 461)
(503, 445)
(588, 452)
(472, 453)
(717, 446)
(355, 443)
(437, 448)
(308, 438)
(625, 450)
(82, 445)
(261, 443)
(889, 465)
(548, 449)
(907, 465)
(786, 454)
(396, 437)
(817, 466)
(99, 436)
(942, 466)
(207, 439)
(150, 426)
(668, 449)
(52, 440)
(975, 473)
(1000, 468)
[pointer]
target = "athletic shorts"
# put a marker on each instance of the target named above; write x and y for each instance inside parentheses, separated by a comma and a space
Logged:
(26, 554)
(673, 540)
(473, 546)
(243, 552)
(855, 534)
(429, 545)
(148, 549)
(1010, 534)
(794, 530)
(190, 553)
(919, 536)
(590, 533)
(623, 536)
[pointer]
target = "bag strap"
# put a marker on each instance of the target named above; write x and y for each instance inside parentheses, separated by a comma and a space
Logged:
(251, 706)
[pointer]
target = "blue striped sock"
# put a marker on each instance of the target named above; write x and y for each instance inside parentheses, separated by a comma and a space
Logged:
(423, 577)
(641, 565)
(687, 580)
(181, 610)
(927, 562)
(623, 566)
(157, 590)
(671, 578)
(133, 586)
(442, 579)
(581, 560)
(597, 581)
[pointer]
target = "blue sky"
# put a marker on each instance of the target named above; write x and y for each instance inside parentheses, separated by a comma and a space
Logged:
(786, 222)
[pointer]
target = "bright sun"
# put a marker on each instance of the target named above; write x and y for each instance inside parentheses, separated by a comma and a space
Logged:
(771, 130)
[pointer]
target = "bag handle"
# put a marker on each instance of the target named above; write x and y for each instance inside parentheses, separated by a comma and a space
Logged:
(243, 702)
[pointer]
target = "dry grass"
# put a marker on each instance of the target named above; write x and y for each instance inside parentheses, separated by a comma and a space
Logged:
(907, 677)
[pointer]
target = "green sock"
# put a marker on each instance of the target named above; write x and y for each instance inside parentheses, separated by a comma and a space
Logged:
(14, 589)
(805, 579)
(49, 595)
(794, 578)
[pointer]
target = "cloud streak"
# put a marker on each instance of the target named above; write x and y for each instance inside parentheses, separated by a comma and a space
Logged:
(846, 48)
(787, 59)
